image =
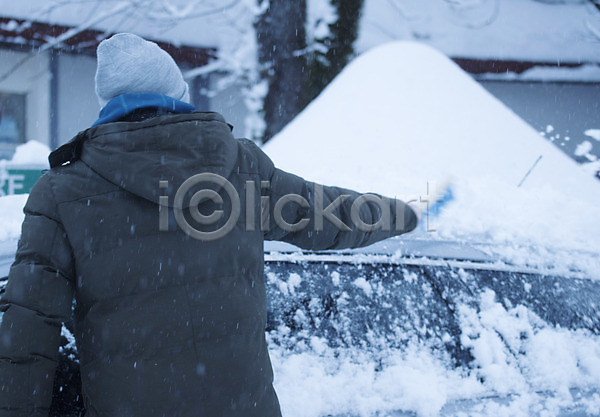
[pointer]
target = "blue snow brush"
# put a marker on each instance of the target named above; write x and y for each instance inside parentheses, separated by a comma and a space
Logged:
(441, 197)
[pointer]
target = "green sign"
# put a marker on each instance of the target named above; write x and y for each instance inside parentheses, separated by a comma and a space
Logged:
(18, 180)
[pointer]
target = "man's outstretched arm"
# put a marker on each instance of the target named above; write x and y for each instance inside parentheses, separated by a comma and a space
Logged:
(317, 217)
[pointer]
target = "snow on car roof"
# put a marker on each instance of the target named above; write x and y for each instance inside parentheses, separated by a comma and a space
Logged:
(404, 115)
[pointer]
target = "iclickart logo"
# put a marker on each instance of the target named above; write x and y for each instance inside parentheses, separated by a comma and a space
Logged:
(211, 187)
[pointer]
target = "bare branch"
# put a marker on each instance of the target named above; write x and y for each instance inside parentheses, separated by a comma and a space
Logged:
(168, 14)
(467, 7)
(216, 65)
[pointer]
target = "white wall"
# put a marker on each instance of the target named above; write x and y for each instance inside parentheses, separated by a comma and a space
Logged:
(77, 102)
(230, 103)
(33, 79)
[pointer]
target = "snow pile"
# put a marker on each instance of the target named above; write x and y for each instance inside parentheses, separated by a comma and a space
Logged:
(31, 153)
(403, 115)
(344, 382)
(341, 382)
(515, 351)
(367, 339)
(521, 366)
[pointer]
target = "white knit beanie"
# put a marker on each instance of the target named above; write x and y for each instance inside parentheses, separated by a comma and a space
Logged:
(130, 64)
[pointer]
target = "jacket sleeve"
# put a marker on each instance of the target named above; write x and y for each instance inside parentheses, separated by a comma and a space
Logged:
(317, 217)
(37, 300)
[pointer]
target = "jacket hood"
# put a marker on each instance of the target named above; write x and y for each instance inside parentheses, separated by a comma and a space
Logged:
(136, 156)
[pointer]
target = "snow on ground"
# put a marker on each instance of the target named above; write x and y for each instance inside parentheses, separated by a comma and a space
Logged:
(403, 115)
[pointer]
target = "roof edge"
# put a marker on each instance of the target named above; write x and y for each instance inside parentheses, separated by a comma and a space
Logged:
(30, 35)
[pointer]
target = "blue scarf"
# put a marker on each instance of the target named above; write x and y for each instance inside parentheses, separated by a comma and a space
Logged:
(122, 105)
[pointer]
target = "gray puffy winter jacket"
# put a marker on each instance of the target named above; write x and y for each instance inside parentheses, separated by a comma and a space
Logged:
(167, 323)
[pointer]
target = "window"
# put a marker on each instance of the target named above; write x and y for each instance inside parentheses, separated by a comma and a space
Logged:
(12, 123)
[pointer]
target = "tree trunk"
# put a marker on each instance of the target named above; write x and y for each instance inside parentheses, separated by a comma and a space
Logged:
(282, 38)
(339, 47)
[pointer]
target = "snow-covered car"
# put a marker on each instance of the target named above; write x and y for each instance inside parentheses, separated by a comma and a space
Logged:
(432, 328)
(411, 326)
